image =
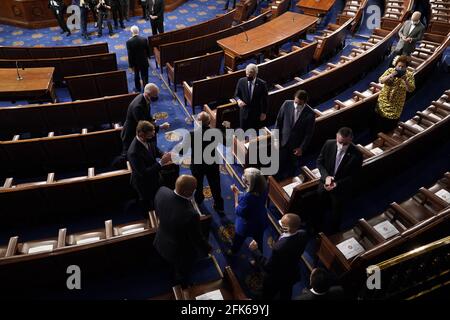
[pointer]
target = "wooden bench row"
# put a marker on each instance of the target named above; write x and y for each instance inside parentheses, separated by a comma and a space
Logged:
(41, 265)
(439, 17)
(65, 153)
(97, 85)
(68, 66)
(39, 119)
(14, 53)
(401, 227)
(210, 26)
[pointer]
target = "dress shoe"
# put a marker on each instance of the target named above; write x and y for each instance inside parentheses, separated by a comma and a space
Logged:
(68, 34)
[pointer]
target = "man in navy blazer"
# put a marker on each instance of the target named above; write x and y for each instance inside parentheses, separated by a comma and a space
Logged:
(251, 96)
(281, 270)
(143, 155)
(339, 163)
(295, 122)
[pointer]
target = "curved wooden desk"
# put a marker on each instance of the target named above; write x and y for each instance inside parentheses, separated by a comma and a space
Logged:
(288, 26)
(36, 84)
(315, 7)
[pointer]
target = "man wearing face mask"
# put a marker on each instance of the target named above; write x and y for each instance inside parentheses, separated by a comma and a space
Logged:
(411, 32)
(143, 155)
(281, 269)
(391, 100)
(179, 239)
(139, 109)
(339, 162)
(295, 122)
(251, 96)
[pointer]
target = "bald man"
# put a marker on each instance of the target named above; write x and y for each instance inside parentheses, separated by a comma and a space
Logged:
(179, 239)
(282, 268)
(200, 168)
(411, 32)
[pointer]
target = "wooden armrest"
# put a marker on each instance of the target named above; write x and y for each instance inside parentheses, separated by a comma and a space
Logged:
(404, 214)
(388, 139)
(61, 238)
(108, 229)
(433, 198)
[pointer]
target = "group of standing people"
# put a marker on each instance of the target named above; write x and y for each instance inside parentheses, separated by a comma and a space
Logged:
(179, 239)
(109, 12)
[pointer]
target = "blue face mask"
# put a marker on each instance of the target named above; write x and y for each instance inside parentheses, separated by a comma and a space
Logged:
(400, 72)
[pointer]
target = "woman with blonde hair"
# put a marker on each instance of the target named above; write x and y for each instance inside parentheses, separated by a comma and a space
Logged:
(250, 208)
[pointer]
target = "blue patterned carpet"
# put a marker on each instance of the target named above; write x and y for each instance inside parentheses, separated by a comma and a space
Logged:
(142, 283)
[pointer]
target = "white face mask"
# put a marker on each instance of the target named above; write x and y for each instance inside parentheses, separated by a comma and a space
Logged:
(283, 228)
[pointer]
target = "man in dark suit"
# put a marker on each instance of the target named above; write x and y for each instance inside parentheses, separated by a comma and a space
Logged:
(156, 13)
(281, 270)
(251, 96)
(339, 163)
(138, 55)
(295, 122)
(58, 7)
(116, 8)
(321, 288)
(179, 239)
(200, 168)
(139, 109)
(143, 155)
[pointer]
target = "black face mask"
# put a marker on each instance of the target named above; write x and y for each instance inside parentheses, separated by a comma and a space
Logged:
(250, 78)
(154, 98)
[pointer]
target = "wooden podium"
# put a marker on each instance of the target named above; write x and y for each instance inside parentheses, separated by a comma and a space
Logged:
(36, 84)
(315, 8)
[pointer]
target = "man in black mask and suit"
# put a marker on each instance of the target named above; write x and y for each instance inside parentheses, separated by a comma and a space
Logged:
(295, 122)
(339, 163)
(251, 96)
(156, 13)
(143, 155)
(281, 269)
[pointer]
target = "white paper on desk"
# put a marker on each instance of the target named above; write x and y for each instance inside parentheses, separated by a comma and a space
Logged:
(88, 240)
(350, 248)
(289, 189)
(213, 295)
(386, 229)
(44, 248)
(132, 231)
(377, 151)
(444, 195)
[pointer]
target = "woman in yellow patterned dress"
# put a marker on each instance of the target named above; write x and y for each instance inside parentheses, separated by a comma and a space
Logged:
(397, 82)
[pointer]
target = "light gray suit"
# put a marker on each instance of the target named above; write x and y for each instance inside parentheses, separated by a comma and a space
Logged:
(416, 35)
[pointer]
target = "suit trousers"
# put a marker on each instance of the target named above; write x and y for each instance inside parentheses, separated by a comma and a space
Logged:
(212, 173)
(289, 164)
(59, 15)
(140, 73)
(157, 25)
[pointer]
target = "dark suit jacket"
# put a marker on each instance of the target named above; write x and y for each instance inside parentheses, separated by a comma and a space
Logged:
(179, 239)
(298, 134)
(138, 52)
(254, 106)
(350, 166)
(138, 110)
(204, 144)
(334, 293)
(145, 168)
(158, 8)
(283, 265)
